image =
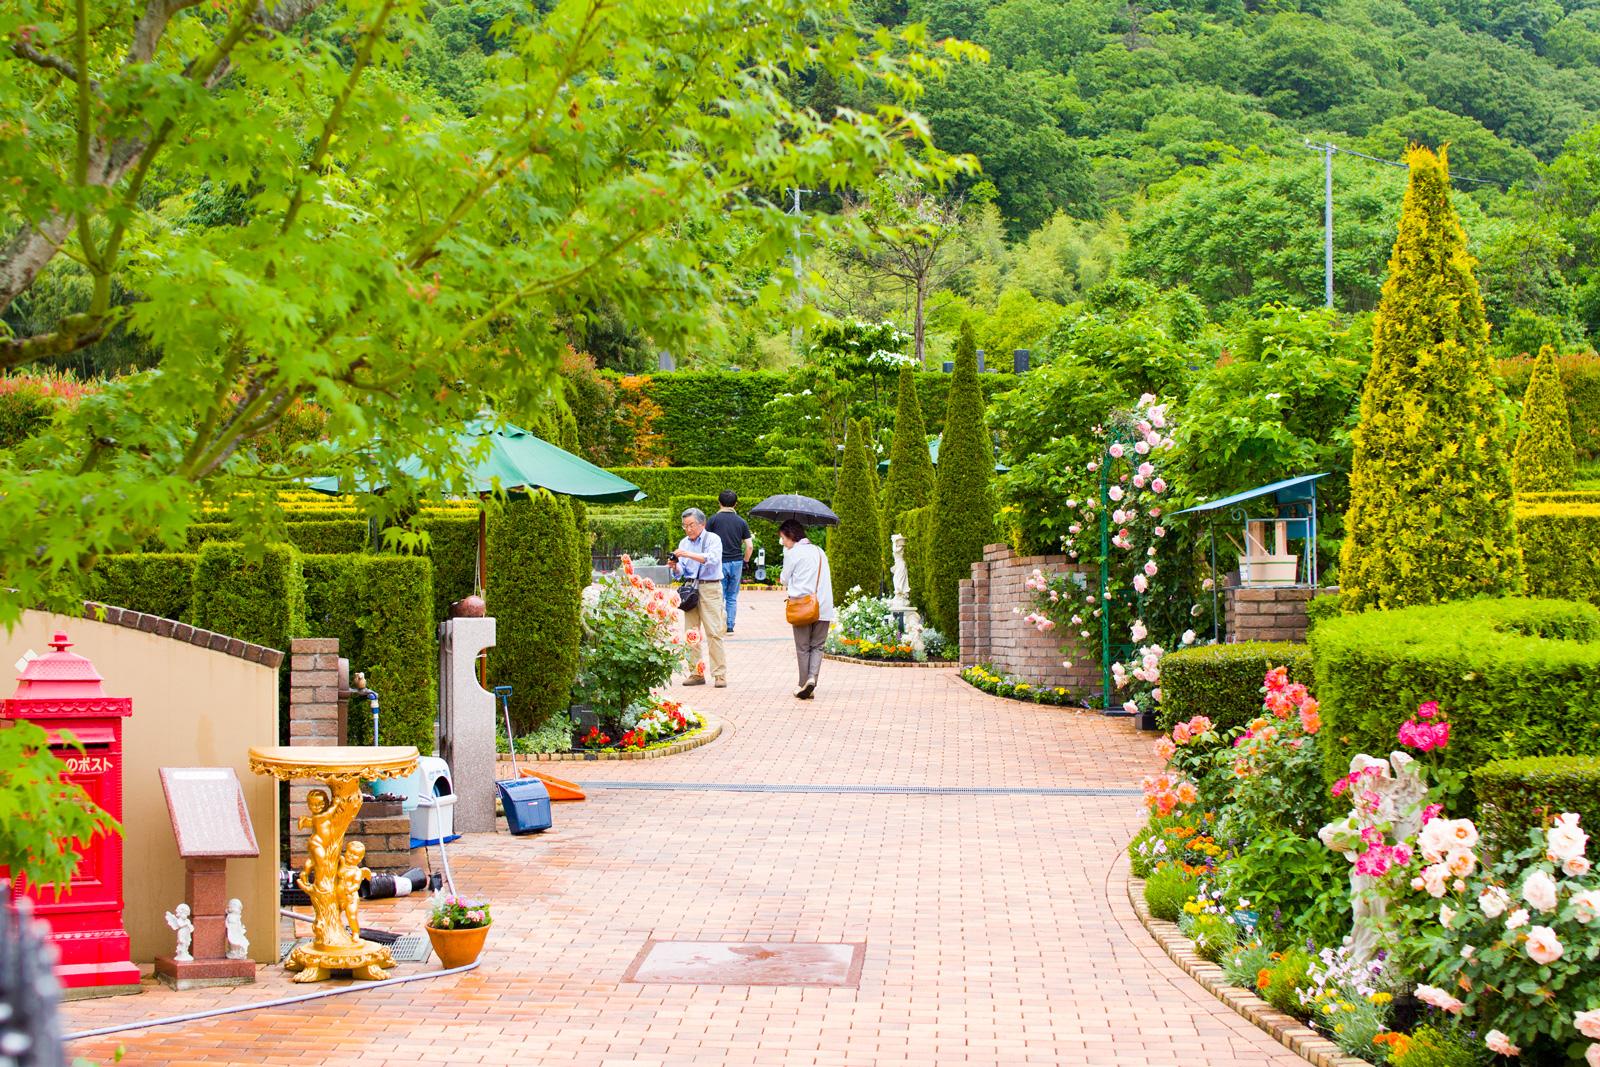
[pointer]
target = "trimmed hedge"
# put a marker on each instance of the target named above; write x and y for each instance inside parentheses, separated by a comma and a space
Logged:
(714, 418)
(156, 583)
(764, 532)
(1565, 496)
(1223, 682)
(1515, 677)
(533, 590)
(1561, 549)
(637, 531)
(259, 600)
(453, 551)
(381, 610)
(1515, 795)
(753, 484)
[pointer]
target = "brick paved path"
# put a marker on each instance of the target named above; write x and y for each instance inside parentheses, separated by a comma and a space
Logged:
(997, 927)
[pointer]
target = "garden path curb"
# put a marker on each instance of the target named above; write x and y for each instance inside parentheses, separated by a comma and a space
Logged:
(1288, 1031)
(708, 733)
(889, 662)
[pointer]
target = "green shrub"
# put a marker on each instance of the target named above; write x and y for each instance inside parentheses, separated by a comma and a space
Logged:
(318, 535)
(22, 413)
(963, 521)
(453, 551)
(1286, 978)
(1430, 481)
(910, 480)
(534, 595)
(1298, 887)
(714, 418)
(1580, 382)
(1429, 1046)
(1543, 460)
(917, 525)
(156, 583)
(1515, 677)
(636, 531)
(753, 484)
(1561, 549)
(1570, 496)
(1515, 795)
(380, 607)
(1168, 890)
(258, 600)
(1247, 959)
(855, 548)
(1323, 606)
(1223, 682)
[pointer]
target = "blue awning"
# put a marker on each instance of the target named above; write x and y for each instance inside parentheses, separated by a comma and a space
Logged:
(1290, 489)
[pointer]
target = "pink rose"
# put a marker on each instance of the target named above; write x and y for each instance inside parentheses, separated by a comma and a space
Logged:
(1587, 904)
(1115, 492)
(1494, 901)
(1147, 470)
(1158, 486)
(1438, 998)
(1116, 451)
(1592, 1057)
(1517, 919)
(1540, 891)
(1499, 1042)
(1565, 840)
(1150, 568)
(1543, 947)
(1588, 1023)
(1165, 748)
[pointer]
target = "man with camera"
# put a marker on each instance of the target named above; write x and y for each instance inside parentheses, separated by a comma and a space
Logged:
(698, 558)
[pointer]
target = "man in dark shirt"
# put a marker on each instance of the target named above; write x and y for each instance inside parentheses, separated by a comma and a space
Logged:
(737, 544)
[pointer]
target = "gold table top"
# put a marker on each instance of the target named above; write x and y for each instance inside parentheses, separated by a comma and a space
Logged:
(334, 762)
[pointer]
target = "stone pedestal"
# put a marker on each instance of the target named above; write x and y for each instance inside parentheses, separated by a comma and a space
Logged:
(466, 722)
(1268, 613)
(206, 893)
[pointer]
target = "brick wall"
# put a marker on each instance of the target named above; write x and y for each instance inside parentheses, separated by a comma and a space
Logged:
(993, 633)
(314, 719)
(1267, 613)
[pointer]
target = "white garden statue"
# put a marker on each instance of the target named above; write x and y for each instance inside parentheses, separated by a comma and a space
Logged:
(238, 944)
(184, 926)
(1389, 793)
(899, 575)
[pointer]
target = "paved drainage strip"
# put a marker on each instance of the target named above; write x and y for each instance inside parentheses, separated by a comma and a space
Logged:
(913, 790)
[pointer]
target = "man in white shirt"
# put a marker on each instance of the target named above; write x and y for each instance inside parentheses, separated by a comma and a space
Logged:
(699, 555)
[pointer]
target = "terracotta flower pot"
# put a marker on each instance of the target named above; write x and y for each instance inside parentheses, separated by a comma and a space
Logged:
(457, 948)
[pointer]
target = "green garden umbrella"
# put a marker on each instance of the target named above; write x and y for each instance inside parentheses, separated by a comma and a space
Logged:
(516, 460)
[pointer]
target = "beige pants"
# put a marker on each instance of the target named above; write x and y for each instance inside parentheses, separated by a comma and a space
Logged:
(711, 620)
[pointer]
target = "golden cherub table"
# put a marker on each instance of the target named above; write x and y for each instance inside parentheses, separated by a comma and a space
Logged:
(333, 872)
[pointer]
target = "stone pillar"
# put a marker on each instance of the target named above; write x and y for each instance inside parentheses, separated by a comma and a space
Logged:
(466, 722)
(993, 603)
(313, 719)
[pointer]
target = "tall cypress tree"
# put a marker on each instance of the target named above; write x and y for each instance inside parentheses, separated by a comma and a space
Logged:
(963, 519)
(534, 592)
(1430, 514)
(910, 481)
(855, 550)
(1544, 459)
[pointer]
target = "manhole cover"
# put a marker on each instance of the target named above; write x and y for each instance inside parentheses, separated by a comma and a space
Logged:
(748, 963)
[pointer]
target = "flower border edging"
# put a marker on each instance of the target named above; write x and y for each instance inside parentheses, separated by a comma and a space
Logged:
(704, 736)
(835, 657)
(1286, 1030)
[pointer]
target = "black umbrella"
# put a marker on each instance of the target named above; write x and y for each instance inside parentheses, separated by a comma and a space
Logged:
(802, 509)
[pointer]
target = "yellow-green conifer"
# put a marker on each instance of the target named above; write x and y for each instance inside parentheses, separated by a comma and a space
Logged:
(1544, 460)
(1430, 514)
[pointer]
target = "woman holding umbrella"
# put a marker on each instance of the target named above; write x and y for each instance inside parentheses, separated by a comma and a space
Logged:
(809, 584)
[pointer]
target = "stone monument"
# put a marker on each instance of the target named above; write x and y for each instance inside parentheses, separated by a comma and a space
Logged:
(466, 721)
(212, 825)
(1388, 793)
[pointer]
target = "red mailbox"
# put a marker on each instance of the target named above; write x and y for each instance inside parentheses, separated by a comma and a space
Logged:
(62, 692)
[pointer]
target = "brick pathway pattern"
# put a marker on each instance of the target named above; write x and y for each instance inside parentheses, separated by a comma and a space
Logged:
(997, 926)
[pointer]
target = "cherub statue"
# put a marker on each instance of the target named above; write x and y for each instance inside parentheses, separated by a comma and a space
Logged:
(179, 920)
(351, 874)
(899, 575)
(238, 944)
(320, 823)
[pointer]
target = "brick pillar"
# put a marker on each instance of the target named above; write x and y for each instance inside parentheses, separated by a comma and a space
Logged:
(313, 719)
(1268, 613)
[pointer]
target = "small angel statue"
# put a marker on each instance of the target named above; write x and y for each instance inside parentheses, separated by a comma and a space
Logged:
(179, 920)
(238, 944)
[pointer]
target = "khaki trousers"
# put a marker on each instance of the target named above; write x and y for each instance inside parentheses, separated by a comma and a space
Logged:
(709, 618)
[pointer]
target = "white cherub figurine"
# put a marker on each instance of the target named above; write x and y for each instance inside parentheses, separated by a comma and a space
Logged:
(238, 944)
(180, 921)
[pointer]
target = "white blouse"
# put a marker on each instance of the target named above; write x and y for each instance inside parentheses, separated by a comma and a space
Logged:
(806, 573)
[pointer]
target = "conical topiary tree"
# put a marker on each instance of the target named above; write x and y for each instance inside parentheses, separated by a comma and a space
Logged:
(963, 520)
(534, 592)
(1544, 459)
(1430, 514)
(910, 481)
(855, 549)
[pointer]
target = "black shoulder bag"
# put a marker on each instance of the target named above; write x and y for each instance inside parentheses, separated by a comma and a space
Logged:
(689, 594)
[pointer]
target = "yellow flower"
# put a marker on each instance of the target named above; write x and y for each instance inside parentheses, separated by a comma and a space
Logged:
(1381, 999)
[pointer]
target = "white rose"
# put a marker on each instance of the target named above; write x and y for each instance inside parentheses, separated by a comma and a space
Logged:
(1540, 891)
(1575, 867)
(1564, 840)
(1543, 946)
(1587, 904)
(1517, 919)
(1588, 1023)
(1494, 901)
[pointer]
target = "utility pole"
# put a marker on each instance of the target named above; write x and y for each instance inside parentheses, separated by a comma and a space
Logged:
(794, 209)
(1327, 151)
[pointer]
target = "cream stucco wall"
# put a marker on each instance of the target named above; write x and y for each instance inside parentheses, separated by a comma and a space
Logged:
(191, 708)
